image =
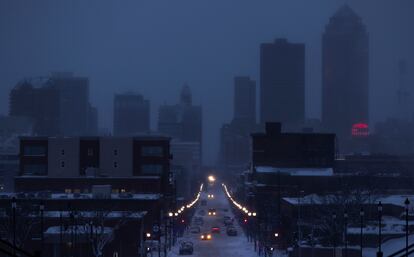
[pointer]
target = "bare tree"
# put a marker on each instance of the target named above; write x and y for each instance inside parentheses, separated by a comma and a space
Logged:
(100, 227)
(27, 216)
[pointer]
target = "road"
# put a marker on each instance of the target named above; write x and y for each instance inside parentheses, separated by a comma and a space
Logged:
(221, 244)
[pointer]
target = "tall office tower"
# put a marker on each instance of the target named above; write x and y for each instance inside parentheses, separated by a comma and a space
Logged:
(282, 83)
(244, 99)
(39, 101)
(404, 106)
(345, 92)
(131, 114)
(183, 121)
(74, 103)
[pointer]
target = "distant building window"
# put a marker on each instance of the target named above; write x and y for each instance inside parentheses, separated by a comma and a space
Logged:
(155, 151)
(115, 152)
(68, 191)
(62, 164)
(34, 150)
(34, 169)
(115, 164)
(123, 190)
(90, 152)
(62, 152)
(152, 169)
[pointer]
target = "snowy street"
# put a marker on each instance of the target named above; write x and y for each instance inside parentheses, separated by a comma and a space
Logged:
(221, 245)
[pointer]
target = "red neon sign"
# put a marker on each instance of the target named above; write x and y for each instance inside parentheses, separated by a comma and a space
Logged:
(360, 130)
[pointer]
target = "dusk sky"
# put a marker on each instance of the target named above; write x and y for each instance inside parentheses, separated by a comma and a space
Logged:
(153, 47)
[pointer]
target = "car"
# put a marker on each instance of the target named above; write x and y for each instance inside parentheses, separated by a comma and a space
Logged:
(186, 248)
(231, 231)
(199, 221)
(195, 230)
(210, 196)
(212, 212)
(228, 222)
(206, 236)
(215, 230)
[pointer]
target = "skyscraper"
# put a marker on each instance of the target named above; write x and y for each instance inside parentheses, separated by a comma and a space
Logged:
(57, 105)
(345, 93)
(131, 114)
(74, 103)
(282, 83)
(39, 101)
(182, 121)
(245, 99)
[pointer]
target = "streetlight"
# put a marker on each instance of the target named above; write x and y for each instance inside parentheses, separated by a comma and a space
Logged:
(211, 178)
(379, 253)
(361, 215)
(346, 233)
(276, 235)
(407, 204)
(42, 208)
(14, 205)
(334, 233)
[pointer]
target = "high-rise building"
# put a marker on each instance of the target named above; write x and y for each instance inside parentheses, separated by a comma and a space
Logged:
(131, 114)
(245, 99)
(37, 100)
(57, 105)
(345, 92)
(282, 83)
(74, 103)
(183, 123)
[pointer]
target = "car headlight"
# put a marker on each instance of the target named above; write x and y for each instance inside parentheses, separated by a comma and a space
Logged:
(214, 213)
(202, 237)
(209, 237)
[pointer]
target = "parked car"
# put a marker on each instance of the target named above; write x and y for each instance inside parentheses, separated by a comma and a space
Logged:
(186, 248)
(199, 221)
(231, 231)
(195, 230)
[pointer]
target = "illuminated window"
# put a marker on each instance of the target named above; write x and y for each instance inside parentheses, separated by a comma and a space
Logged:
(68, 190)
(123, 190)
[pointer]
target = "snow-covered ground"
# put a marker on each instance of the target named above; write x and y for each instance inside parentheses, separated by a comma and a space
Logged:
(221, 245)
(389, 247)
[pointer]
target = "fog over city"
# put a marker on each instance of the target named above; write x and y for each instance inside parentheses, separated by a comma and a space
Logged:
(207, 128)
(154, 47)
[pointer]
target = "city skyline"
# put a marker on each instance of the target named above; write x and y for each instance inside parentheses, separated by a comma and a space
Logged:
(239, 53)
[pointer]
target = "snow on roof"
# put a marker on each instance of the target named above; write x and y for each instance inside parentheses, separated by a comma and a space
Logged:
(296, 171)
(78, 230)
(91, 214)
(113, 196)
(397, 200)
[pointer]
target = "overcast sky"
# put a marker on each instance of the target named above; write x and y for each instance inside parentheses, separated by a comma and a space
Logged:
(154, 46)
